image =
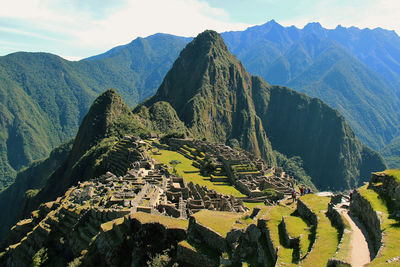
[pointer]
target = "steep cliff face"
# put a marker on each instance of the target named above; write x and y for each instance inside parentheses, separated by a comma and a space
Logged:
(211, 93)
(218, 99)
(108, 120)
(27, 183)
(298, 125)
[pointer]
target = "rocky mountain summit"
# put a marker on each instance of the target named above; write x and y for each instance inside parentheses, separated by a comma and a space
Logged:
(219, 100)
(196, 167)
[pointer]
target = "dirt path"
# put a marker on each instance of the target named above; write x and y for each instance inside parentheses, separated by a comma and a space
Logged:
(360, 253)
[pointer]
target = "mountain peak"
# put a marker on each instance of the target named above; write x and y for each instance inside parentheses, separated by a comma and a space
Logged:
(201, 59)
(207, 42)
(211, 93)
(96, 124)
(314, 27)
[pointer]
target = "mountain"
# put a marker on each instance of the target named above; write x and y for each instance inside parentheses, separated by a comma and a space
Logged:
(105, 125)
(107, 120)
(28, 183)
(342, 66)
(43, 97)
(219, 100)
(211, 93)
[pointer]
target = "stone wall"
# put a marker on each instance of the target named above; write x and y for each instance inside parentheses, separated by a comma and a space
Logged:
(337, 263)
(207, 235)
(306, 213)
(262, 225)
(335, 217)
(390, 188)
(362, 209)
(288, 240)
(192, 257)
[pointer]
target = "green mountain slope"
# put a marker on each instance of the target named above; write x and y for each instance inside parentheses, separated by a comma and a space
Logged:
(356, 92)
(354, 71)
(27, 183)
(216, 98)
(43, 97)
(108, 119)
(211, 93)
(391, 153)
(298, 125)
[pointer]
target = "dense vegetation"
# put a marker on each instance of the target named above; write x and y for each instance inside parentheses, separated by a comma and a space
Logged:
(355, 71)
(216, 98)
(43, 97)
(210, 91)
(28, 183)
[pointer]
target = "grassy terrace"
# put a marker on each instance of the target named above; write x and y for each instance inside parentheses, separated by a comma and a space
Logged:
(395, 173)
(219, 221)
(344, 252)
(168, 222)
(389, 226)
(186, 165)
(326, 239)
(273, 215)
(295, 227)
(252, 205)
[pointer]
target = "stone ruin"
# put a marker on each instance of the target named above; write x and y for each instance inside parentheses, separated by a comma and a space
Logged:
(249, 174)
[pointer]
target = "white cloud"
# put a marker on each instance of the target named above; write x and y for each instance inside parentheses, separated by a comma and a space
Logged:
(118, 25)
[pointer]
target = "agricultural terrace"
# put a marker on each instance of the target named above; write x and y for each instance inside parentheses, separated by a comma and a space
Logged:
(395, 173)
(166, 221)
(326, 237)
(295, 227)
(192, 174)
(389, 226)
(219, 221)
(274, 218)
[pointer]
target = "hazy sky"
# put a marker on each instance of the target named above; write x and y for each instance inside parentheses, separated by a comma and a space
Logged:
(76, 29)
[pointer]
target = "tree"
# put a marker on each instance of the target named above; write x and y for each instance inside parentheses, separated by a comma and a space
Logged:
(173, 163)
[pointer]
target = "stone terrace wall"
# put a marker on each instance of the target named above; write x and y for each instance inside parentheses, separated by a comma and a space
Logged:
(335, 217)
(209, 236)
(389, 188)
(306, 212)
(361, 208)
(192, 257)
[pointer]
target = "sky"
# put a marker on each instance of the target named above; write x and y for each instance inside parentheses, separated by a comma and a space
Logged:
(75, 29)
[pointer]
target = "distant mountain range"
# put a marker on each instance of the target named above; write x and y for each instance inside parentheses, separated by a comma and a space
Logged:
(355, 71)
(209, 95)
(43, 97)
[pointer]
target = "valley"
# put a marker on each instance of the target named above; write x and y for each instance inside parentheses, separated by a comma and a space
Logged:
(168, 152)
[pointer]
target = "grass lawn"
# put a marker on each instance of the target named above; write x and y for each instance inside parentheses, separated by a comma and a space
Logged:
(344, 252)
(326, 240)
(295, 227)
(390, 228)
(186, 165)
(219, 221)
(252, 205)
(395, 173)
(168, 222)
(273, 215)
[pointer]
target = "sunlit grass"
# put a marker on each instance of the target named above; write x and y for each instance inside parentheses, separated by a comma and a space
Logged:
(273, 215)
(186, 165)
(219, 221)
(326, 239)
(390, 227)
(395, 173)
